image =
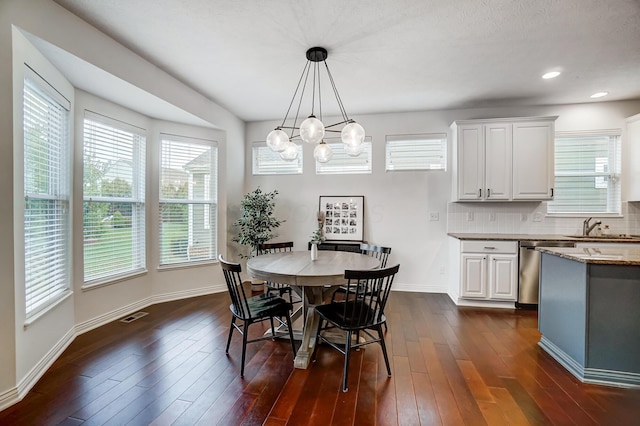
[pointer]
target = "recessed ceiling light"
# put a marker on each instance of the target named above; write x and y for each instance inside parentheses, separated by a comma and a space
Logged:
(551, 74)
(599, 94)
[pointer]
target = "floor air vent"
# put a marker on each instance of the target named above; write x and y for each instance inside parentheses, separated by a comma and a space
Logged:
(133, 317)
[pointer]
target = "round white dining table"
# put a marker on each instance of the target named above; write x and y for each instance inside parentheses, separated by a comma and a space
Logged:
(314, 280)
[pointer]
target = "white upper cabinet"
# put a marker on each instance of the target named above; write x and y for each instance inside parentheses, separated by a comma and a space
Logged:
(471, 162)
(533, 160)
(497, 175)
(503, 159)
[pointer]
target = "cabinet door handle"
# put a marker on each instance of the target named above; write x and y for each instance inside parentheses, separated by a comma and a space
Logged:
(488, 192)
(480, 193)
(552, 192)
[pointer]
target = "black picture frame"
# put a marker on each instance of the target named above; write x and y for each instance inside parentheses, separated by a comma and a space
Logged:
(343, 217)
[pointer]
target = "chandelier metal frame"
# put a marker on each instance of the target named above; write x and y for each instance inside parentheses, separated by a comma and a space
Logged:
(312, 129)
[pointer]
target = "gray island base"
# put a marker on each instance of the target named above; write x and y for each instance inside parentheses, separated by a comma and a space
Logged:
(589, 313)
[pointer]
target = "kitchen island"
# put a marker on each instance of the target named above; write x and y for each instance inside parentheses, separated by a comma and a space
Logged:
(589, 312)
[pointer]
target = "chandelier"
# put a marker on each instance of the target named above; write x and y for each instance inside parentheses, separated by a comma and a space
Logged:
(312, 130)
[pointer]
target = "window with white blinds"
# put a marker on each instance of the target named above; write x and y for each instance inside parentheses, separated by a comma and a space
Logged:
(416, 152)
(587, 173)
(188, 200)
(268, 162)
(113, 199)
(343, 163)
(47, 172)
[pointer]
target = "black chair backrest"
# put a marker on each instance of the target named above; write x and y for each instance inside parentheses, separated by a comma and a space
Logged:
(231, 273)
(267, 248)
(379, 252)
(371, 288)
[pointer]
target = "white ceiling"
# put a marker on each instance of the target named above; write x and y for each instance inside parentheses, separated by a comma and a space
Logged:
(385, 55)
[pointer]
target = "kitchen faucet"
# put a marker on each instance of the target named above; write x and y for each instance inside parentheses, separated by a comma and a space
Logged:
(586, 228)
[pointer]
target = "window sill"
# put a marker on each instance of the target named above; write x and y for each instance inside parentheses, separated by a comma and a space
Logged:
(39, 314)
(186, 265)
(90, 285)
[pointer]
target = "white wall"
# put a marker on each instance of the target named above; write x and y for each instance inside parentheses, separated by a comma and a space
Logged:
(25, 353)
(397, 205)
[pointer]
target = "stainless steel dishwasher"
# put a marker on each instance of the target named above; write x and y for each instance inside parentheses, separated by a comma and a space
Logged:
(529, 276)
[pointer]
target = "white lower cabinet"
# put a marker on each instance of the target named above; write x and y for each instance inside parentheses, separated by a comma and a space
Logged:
(489, 270)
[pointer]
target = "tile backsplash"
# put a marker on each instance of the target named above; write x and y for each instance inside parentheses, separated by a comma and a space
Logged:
(531, 218)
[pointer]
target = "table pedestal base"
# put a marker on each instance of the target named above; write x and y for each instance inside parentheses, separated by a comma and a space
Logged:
(313, 296)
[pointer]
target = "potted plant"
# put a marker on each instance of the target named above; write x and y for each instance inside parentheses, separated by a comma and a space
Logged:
(318, 236)
(257, 222)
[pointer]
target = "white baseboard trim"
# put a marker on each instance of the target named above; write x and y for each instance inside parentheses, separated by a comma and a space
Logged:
(482, 303)
(8, 398)
(107, 317)
(38, 370)
(185, 294)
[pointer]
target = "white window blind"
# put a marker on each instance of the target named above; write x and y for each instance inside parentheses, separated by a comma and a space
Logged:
(343, 163)
(46, 195)
(114, 196)
(268, 162)
(188, 200)
(587, 174)
(416, 152)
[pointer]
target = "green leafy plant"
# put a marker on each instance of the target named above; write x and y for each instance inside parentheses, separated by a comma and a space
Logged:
(318, 235)
(257, 222)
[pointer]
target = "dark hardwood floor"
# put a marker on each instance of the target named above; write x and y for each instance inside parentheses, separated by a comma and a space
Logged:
(450, 366)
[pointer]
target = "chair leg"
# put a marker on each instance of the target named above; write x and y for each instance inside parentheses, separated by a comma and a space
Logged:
(273, 329)
(293, 344)
(347, 350)
(231, 327)
(244, 346)
(384, 350)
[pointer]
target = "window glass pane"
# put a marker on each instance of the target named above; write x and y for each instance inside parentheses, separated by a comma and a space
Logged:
(587, 170)
(188, 200)
(268, 162)
(416, 152)
(46, 197)
(343, 163)
(113, 208)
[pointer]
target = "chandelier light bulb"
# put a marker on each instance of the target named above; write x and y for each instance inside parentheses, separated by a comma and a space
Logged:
(322, 152)
(290, 151)
(312, 130)
(277, 140)
(352, 134)
(354, 150)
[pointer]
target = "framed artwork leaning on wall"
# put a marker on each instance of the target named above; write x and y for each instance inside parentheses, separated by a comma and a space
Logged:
(343, 217)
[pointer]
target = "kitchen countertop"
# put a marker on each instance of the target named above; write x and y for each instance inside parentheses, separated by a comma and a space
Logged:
(603, 256)
(542, 237)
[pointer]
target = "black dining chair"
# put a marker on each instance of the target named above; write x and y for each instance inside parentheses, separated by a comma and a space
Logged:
(251, 310)
(271, 287)
(379, 252)
(361, 314)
